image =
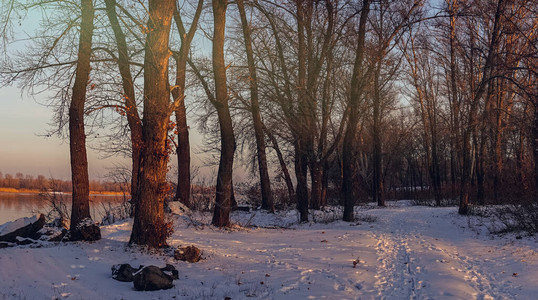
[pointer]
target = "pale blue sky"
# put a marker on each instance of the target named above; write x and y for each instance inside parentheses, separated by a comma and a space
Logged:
(22, 149)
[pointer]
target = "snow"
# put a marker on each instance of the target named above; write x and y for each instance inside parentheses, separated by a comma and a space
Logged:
(408, 252)
(12, 226)
(178, 208)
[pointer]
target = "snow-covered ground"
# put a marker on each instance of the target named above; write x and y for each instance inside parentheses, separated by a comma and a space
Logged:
(408, 252)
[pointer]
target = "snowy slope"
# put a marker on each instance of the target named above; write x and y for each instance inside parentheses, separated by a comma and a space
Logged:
(409, 252)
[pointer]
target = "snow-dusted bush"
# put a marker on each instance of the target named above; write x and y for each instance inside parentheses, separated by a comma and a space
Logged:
(521, 218)
(113, 212)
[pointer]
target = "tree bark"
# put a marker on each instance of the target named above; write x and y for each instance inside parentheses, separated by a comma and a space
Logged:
(77, 136)
(149, 226)
(265, 183)
(316, 189)
(325, 183)
(301, 171)
(221, 214)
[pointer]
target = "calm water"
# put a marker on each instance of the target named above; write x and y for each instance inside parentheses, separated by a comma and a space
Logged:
(18, 205)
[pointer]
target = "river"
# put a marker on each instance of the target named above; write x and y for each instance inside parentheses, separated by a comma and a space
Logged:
(18, 205)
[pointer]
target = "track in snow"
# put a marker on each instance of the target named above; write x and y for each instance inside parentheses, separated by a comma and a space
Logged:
(421, 257)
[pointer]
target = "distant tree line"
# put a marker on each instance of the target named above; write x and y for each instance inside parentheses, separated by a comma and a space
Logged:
(42, 183)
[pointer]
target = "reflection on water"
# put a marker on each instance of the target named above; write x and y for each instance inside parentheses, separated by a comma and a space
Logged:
(18, 205)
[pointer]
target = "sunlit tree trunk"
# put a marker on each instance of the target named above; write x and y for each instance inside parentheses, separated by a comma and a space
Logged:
(149, 227)
(77, 136)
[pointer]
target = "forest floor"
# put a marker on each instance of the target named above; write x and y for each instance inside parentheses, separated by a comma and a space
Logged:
(400, 252)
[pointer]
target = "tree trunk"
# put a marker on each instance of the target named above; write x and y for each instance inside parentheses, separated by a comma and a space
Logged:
(302, 131)
(325, 183)
(301, 169)
(480, 168)
(377, 180)
(223, 202)
(133, 118)
(265, 183)
(436, 173)
(149, 226)
(534, 143)
(481, 88)
(183, 152)
(455, 158)
(316, 176)
(348, 147)
(283, 166)
(77, 136)
(178, 93)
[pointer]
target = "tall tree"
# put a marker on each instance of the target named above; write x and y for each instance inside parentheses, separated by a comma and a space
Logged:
(223, 201)
(267, 196)
(149, 227)
(178, 93)
(131, 109)
(77, 136)
(349, 143)
(477, 93)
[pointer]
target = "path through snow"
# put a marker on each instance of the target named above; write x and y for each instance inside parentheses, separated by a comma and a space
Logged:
(409, 252)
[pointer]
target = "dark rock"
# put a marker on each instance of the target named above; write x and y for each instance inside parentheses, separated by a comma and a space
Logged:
(123, 272)
(85, 231)
(28, 231)
(23, 241)
(189, 253)
(246, 208)
(58, 237)
(172, 270)
(6, 245)
(151, 278)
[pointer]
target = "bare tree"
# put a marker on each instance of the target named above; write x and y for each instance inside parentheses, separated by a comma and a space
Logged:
(478, 92)
(80, 210)
(133, 118)
(150, 227)
(178, 93)
(349, 145)
(223, 201)
(267, 197)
